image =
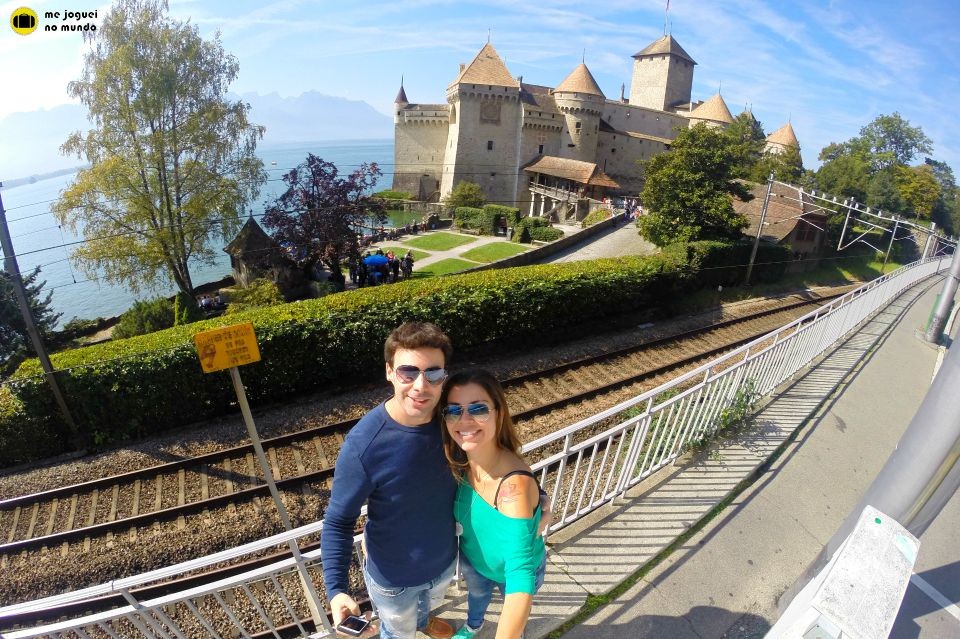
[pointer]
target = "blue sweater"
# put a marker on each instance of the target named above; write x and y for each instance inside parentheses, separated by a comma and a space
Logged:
(403, 476)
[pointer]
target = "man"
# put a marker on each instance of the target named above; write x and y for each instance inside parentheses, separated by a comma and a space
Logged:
(393, 460)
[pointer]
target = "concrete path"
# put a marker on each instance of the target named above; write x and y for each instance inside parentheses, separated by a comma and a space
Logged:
(724, 581)
(613, 242)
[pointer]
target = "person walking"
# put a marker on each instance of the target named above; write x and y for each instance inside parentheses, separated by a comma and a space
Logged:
(393, 461)
(497, 503)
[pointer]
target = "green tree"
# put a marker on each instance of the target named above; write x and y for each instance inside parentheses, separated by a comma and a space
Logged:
(786, 166)
(465, 194)
(171, 158)
(145, 316)
(918, 188)
(893, 141)
(746, 134)
(846, 175)
(946, 210)
(14, 341)
(688, 190)
(883, 193)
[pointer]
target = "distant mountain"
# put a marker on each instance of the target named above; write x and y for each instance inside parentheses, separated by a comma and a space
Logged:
(30, 142)
(313, 116)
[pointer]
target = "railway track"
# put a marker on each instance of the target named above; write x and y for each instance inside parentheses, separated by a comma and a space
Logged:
(74, 516)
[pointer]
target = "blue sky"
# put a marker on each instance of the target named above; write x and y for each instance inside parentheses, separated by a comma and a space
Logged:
(829, 67)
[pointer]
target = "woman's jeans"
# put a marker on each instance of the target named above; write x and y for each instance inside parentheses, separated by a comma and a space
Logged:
(404, 610)
(480, 589)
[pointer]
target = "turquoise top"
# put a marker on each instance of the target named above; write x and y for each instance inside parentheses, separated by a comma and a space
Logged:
(504, 549)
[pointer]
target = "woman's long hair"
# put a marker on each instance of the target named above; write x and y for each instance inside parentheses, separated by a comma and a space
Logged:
(506, 435)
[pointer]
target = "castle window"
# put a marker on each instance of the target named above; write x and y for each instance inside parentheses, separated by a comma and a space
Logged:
(489, 145)
(540, 150)
(493, 175)
(577, 126)
(613, 150)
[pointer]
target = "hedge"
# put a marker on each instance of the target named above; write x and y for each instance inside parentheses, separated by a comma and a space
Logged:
(151, 383)
(486, 220)
(468, 217)
(545, 234)
(721, 263)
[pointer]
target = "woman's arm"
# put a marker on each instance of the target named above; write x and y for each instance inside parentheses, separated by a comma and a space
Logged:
(513, 618)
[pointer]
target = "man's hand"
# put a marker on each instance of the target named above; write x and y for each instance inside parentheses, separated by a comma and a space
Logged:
(546, 515)
(342, 606)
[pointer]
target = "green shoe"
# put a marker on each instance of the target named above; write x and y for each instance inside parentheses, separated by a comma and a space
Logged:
(466, 632)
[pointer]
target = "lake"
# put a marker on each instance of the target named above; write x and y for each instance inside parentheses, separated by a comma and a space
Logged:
(39, 241)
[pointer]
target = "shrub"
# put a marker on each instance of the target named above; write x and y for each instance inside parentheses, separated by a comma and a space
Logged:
(259, 293)
(145, 316)
(724, 263)
(595, 217)
(494, 213)
(522, 232)
(465, 194)
(545, 234)
(394, 195)
(468, 217)
(185, 309)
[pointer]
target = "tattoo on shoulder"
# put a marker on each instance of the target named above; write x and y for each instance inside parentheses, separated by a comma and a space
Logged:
(509, 493)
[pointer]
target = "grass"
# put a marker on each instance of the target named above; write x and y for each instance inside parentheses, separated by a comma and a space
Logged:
(443, 267)
(439, 241)
(494, 251)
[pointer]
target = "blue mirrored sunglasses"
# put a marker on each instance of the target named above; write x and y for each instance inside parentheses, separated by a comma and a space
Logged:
(479, 411)
(408, 374)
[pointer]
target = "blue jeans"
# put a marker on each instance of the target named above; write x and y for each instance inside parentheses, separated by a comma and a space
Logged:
(480, 589)
(404, 610)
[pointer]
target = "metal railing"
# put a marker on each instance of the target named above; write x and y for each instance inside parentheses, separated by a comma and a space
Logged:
(582, 469)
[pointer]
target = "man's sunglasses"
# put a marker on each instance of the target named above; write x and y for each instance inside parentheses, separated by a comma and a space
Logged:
(479, 411)
(409, 374)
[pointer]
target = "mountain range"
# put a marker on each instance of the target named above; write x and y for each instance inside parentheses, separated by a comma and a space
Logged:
(30, 141)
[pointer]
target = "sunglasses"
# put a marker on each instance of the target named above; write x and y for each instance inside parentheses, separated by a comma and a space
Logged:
(479, 411)
(409, 374)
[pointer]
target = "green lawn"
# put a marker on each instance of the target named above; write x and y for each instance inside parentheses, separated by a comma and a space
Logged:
(439, 241)
(494, 251)
(443, 267)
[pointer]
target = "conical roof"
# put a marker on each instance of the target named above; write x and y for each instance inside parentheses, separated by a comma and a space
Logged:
(401, 96)
(251, 239)
(580, 80)
(487, 68)
(784, 136)
(714, 109)
(667, 45)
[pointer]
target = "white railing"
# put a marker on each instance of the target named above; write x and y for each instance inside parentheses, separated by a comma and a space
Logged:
(581, 469)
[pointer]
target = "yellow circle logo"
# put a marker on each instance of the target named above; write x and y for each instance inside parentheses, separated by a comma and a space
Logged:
(24, 20)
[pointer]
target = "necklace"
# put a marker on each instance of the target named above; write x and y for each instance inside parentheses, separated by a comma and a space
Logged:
(478, 473)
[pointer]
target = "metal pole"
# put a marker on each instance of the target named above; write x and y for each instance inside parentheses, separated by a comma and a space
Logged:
(843, 232)
(13, 269)
(945, 302)
(313, 599)
(756, 240)
(893, 236)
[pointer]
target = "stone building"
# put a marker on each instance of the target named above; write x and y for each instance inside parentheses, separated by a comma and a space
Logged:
(495, 130)
(255, 255)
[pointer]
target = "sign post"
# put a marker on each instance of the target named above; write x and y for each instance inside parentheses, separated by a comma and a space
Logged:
(228, 348)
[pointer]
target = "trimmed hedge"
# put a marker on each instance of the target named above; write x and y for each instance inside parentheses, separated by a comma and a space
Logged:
(486, 220)
(545, 234)
(394, 195)
(467, 217)
(595, 217)
(151, 383)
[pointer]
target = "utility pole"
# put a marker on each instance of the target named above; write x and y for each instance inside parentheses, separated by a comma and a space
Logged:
(893, 236)
(756, 240)
(13, 269)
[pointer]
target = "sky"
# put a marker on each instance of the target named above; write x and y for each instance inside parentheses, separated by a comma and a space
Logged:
(827, 66)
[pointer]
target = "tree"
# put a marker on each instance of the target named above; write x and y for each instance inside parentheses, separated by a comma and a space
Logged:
(786, 166)
(946, 210)
(749, 140)
(883, 194)
(688, 190)
(171, 158)
(845, 175)
(918, 188)
(892, 141)
(465, 194)
(15, 343)
(317, 218)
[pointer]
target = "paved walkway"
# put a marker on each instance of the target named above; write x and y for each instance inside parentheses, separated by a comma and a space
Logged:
(725, 580)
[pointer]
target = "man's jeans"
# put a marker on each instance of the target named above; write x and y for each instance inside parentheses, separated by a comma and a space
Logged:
(480, 589)
(403, 610)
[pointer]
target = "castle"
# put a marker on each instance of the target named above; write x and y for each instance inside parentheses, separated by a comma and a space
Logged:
(551, 151)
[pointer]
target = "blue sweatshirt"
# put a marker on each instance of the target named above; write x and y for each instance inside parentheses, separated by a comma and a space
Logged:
(403, 476)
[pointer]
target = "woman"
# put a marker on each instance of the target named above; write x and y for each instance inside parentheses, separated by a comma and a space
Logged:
(497, 503)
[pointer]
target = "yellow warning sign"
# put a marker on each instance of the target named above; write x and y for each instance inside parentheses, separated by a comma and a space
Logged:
(227, 347)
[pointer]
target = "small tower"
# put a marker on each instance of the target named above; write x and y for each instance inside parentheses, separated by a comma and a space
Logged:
(581, 102)
(400, 102)
(714, 113)
(779, 140)
(662, 75)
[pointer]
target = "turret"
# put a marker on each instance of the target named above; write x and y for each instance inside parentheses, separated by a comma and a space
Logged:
(581, 102)
(662, 75)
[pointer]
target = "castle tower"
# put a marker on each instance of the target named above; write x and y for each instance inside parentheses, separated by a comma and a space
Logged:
(580, 101)
(779, 140)
(662, 75)
(714, 113)
(485, 121)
